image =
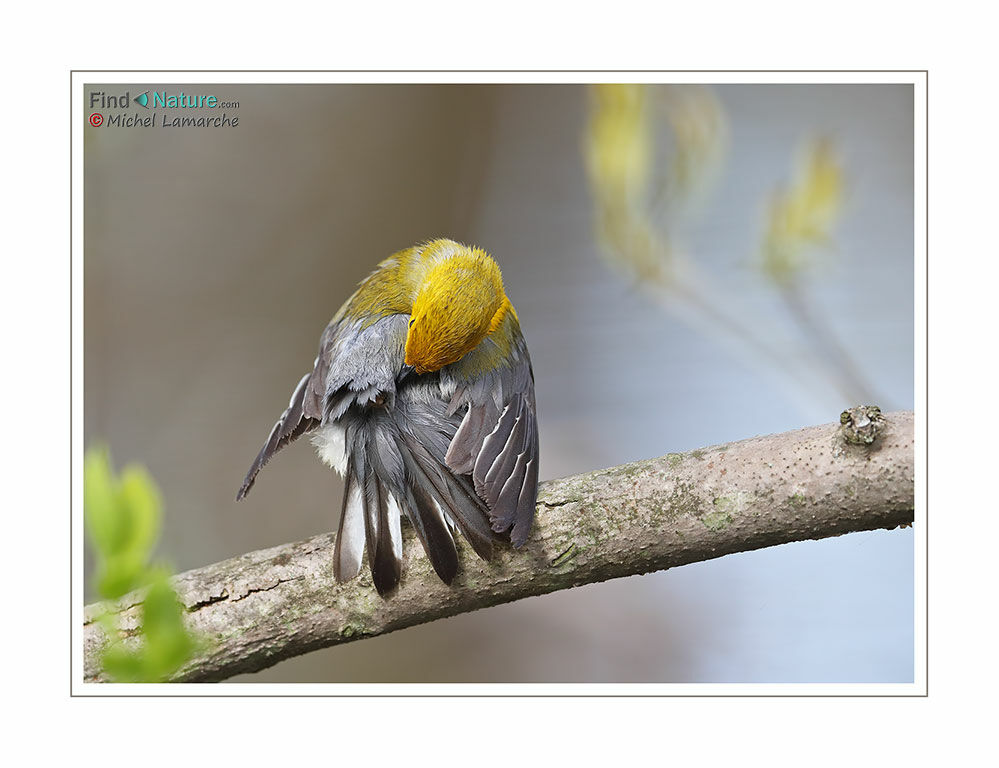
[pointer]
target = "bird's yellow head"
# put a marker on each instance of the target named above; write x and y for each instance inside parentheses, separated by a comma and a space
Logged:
(459, 302)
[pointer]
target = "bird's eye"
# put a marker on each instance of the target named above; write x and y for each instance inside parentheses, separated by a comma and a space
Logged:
(411, 321)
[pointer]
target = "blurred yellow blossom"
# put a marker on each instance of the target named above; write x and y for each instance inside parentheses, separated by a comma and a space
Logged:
(700, 138)
(802, 217)
(629, 126)
(618, 145)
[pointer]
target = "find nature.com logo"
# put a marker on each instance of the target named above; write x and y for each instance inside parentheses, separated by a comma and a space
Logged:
(160, 109)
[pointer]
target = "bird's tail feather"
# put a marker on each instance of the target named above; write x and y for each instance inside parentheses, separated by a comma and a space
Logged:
(391, 472)
(428, 521)
(370, 519)
(454, 494)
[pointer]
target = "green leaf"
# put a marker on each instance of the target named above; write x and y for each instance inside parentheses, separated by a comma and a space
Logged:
(124, 666)
(122, 517)
(140, 500)
(99, 500)
(166, 643)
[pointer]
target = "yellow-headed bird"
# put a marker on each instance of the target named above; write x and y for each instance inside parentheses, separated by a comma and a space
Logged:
(422, 396)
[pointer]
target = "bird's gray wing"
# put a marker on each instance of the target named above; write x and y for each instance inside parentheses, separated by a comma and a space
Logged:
(497, 441)
(352, 390)
(291, 425)
(356, 359)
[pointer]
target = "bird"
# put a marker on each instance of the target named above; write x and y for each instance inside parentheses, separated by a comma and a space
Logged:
(422, 398)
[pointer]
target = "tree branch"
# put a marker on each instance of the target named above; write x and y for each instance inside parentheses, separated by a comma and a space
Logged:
(262, 607)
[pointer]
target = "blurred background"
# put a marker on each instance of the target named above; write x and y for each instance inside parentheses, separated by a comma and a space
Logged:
(691, 265)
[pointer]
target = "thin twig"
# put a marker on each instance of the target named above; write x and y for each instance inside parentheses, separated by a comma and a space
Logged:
(836, 358)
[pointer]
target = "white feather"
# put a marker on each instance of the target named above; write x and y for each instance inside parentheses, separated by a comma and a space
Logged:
(449, 523)
(330, 442)
(351, 547)
(395, 526)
